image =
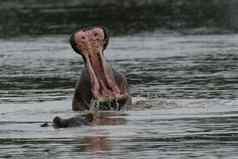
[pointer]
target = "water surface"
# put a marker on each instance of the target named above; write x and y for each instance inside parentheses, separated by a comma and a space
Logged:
(184, 87)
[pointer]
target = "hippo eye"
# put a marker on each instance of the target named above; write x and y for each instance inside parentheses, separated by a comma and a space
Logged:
(95, 34)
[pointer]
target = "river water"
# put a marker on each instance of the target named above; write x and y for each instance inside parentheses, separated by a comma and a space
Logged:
(184, 90)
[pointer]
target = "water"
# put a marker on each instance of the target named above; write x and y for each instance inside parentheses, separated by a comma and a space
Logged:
(184, 89)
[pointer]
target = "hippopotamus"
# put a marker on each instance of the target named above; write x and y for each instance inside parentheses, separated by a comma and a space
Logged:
(88, 119)
(79, 120)
(99, 82)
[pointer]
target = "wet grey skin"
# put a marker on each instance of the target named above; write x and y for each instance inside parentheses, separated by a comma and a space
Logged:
(77, 121)
(99, 82)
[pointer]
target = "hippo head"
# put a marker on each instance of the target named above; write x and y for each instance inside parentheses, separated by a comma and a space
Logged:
(90, 43)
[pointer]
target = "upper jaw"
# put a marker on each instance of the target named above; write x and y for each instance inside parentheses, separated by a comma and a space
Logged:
(90, 41)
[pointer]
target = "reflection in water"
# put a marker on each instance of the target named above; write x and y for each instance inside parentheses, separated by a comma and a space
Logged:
(109, 118)
(189, 109)
(147, 134)
(99, 145)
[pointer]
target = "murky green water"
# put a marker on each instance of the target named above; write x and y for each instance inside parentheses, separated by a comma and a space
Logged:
(184, 88)
(34, 17)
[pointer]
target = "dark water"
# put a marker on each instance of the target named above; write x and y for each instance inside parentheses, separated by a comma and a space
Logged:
(184, 89)
(34, 17)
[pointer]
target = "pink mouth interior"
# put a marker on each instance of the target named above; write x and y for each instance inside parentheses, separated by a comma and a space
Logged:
(104, 86)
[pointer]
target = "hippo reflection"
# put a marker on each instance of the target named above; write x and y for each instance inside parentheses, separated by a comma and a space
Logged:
(99, 83)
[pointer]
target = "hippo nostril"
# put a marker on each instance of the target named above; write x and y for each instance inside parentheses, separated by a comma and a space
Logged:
(83, 37)
(95, 34)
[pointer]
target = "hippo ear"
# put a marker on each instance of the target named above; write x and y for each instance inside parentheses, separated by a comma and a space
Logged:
(73, 43)
(106, 39)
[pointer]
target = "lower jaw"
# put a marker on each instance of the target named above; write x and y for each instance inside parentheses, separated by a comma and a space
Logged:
(108, 103)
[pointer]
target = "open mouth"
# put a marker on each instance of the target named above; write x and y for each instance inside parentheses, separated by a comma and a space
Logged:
(91, 43)
(104, 86)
